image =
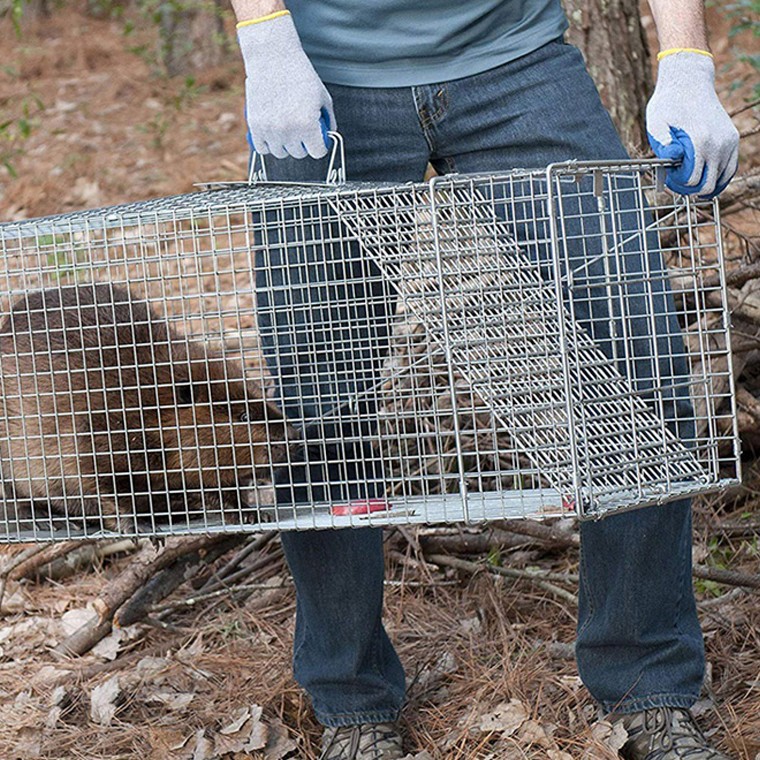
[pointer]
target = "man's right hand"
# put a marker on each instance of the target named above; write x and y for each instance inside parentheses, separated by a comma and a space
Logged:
(285, 98)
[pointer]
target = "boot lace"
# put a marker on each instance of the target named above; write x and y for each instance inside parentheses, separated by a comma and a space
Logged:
(672, 735)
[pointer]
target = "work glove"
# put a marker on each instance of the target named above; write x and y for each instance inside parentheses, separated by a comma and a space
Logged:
(686, 123)
(288, 109)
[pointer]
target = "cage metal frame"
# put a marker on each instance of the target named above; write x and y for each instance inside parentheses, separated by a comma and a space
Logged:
(472, 506)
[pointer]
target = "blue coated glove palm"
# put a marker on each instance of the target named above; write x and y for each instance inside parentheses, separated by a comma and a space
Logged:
(686, 123)
(288, 108)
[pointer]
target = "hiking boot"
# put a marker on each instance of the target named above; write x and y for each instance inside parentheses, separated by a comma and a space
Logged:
(369, 741)
(665, 733)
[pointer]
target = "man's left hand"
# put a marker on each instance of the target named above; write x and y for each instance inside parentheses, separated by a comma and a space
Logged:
(687, 123)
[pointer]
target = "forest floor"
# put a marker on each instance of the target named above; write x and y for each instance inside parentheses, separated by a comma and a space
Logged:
(489, 659)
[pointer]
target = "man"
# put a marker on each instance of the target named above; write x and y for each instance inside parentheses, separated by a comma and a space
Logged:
(480, 86)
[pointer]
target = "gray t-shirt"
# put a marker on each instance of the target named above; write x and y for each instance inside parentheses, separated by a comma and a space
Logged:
(400, 43)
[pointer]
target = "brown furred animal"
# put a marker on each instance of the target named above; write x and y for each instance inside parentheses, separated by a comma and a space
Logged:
(106, 410)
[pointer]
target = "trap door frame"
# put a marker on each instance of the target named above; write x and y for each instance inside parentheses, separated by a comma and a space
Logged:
(579, 495)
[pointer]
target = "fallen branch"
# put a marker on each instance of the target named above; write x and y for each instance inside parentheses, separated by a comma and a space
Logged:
(123, 661)
(726, 577)
(719, 601)
(417, 565)
(473, 543)
(82, 640)
(72, 561)
(241, 590)
(47, 554)
(738, 530)
(16, 561)
(254, 544)
(170, 578)
(741, 188)
(548, 533)
(143, 567)
(745, 107)
(538, 577)
(243, 572)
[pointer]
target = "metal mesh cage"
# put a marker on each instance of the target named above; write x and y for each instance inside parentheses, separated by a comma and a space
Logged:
(275, 356)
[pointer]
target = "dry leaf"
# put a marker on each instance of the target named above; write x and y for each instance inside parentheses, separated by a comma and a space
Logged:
(532, 732)
(162, 741)
(60, 699)
(279, 744)
(28, 744)
(73, 620)
(108, 647)
(246, 733)
(152, 669)
(47, 674)
(17, 601)
(103, 701)
(471, 625)
(202, 749)
(243, 715)
(506, 718)
(611, 735)
(172, 699)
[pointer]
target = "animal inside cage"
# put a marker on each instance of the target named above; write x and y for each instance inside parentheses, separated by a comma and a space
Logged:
(277, 356)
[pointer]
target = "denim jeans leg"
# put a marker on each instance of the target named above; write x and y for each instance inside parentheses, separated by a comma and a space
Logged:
(639, 640)
(323, 319)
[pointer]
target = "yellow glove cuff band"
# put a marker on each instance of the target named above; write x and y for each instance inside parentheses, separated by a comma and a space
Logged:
(670, 51)
(268, 17)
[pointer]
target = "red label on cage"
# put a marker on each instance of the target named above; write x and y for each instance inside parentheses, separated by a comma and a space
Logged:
(361, 507)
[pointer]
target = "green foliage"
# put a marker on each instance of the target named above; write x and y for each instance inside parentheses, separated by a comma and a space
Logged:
(744, 16)
(164, 15)
(707, 588)
(16, 12)
(66, 263)
(188, 92)
(233, 630)
(106, 8)
(16, 130)
(157, 127)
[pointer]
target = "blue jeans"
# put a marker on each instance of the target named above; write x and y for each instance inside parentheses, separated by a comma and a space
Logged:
(639, 642)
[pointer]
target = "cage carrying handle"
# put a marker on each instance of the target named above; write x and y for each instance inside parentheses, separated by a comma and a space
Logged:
(336, 168)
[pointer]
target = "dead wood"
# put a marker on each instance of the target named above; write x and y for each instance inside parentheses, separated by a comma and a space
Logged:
(747, 403)
(79, 556)
(142, 568)
(252, 544)
(120, 663)
(551, 534)
(742, 189)
(82, 640)
(170, 578)
(254, 569)
(726, 577)
(473, 543)
(17, 560)
(47, 554)
(542, 579)
(747, 529)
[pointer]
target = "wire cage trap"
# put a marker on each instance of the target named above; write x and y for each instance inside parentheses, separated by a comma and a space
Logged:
(278, 356)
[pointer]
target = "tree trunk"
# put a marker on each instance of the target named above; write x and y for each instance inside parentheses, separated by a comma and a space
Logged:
(192, 35)
(612, 40)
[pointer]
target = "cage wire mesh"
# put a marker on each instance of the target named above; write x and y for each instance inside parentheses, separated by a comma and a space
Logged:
(274, 356)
